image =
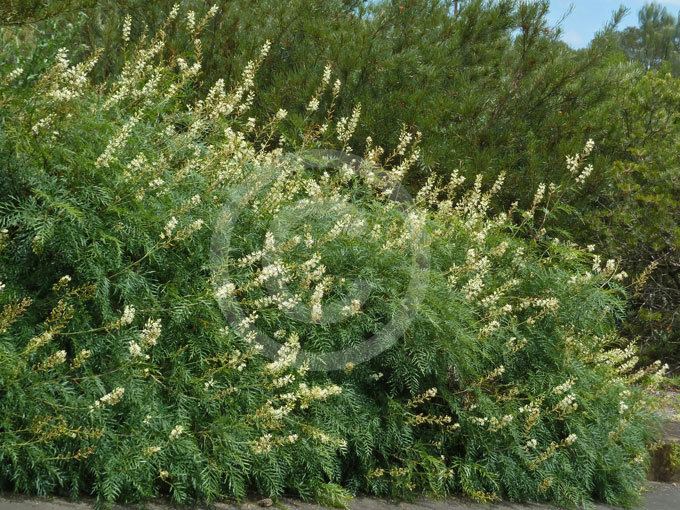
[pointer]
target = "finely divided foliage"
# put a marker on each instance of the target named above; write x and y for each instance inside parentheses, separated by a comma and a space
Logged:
(119, 375)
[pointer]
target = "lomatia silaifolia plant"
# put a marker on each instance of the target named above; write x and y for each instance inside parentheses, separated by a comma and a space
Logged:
(155, 249)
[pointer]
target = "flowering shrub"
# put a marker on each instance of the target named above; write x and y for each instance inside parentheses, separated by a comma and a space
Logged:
(194, 304)
(491, 88)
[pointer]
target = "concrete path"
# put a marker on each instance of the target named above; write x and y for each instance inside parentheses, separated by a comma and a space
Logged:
(661, 496)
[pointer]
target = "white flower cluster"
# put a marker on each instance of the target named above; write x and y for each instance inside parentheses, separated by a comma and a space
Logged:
(267, 442)
(285, 380)
(176, 432)
(491, 300)
(14, 74)
(427, 419)
(532, 410)
(263, 444)
(548, 304)
(286, 356)
(324, 438)
(281, 114)
(397, 173)
(515, 345)
(473, 207)
(67, 82)
(308, 394)
(128, 315)
(110, 399)
(191, 229)
(405, 138)
(496, 373)
(243, 327)
(136, 166)
(191, 21)
(173, 12)
(623, 359)
(135, 350)
(225, 291)
(488, 328)
(661, 371)
(474, 286)
(219, 104)
(570, 439)
(564, 387)
(156, 183)
(170, 227)
(495, 424)
(275, 271)
(552, 448)
(346, 126)
(316, 313)
(348, 225)
(478, 267)
(422, 398)
(58, 358)
(81, 358)
(38, 341)
(118, 141)
(609, 268)
(147, 338)
(150, 333)
(62, 283)
(127, 28)
(581, 178)
(314, 102)
(271, 414)
(212, 11)
(352, 309)
(151, 450)
(134, 74)
(574, 163)
(567, 404)
(284, 302)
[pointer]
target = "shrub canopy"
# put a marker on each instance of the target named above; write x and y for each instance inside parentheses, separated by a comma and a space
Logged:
(492, 89)
(151, 240)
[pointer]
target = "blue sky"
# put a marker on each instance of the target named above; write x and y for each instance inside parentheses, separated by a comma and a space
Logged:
(588, 16)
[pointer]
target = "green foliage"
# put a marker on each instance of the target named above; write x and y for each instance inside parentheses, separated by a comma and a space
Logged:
(18, 12)
(637, 220)
(137, 217)
(491, 89)
(656, 39)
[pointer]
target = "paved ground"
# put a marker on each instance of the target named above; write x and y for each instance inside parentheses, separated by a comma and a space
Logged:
(660, 497)
(663, 496)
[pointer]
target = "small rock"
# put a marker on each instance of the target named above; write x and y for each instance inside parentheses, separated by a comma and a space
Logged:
(265, 502)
